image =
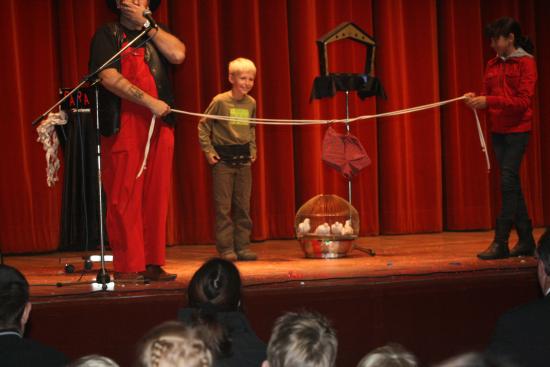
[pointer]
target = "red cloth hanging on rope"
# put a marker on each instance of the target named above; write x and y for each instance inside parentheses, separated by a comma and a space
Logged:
(344, 153)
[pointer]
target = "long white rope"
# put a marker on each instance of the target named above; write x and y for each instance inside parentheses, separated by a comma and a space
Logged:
(289, 122)
(298, 122)
(256, 120)
(293, 122)
(147, 146)
(48, 137)
(482, 140)
(406, 110)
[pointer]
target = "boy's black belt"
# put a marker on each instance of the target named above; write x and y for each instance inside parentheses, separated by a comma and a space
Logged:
(235, 154)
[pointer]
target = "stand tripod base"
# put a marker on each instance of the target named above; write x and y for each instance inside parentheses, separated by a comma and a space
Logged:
(103, 278)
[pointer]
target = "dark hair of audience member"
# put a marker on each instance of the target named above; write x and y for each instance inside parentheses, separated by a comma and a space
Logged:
(390, 355)
(173, 343)
(217, 282)
(14, 295)
(215, 287)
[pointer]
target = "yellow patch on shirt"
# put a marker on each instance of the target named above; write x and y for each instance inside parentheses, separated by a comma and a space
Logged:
(242, 113)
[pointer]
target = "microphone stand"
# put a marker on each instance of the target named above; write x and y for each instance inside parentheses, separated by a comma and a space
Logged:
(93, 75)
(103, 276)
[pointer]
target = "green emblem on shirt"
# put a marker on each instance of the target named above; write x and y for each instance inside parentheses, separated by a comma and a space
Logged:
(242, 113)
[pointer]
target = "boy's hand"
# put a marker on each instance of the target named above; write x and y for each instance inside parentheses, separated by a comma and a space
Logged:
(253, 158)
(212, 158)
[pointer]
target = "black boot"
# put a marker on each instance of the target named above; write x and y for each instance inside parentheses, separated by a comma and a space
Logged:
(526, 243)
(498, 249)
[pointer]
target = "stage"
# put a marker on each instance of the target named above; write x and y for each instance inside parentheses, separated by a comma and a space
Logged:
(428, 292)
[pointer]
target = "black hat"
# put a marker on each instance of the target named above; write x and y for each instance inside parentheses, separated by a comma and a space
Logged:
(153, 5)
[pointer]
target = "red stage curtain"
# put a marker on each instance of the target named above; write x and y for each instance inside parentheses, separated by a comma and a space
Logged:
(542, 30)
(428, 172)
(467, 203)
(409, 145)
(29, 213)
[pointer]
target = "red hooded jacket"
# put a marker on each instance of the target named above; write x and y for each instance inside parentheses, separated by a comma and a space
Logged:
(509, 85)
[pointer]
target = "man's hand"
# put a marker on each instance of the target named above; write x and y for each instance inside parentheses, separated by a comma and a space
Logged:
(212, 158)
(159, 108)
(132, 13)
(253, 158)
(119, 85)
(131, 16)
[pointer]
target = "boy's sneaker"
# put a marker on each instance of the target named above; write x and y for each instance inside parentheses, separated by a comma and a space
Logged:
(229, 255)
(247, 255)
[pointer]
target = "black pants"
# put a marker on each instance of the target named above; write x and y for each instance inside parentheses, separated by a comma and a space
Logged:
(509, 151)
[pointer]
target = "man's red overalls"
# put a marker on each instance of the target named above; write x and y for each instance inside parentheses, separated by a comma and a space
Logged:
(137, 207)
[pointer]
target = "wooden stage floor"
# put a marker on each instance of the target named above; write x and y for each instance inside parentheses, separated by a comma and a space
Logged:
(282, 264)
(428, 292)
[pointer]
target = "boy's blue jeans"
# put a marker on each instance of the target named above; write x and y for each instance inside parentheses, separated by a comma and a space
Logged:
(232, 187)
(509, 152)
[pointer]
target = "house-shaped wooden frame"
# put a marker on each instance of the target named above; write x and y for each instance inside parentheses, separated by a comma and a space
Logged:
(346, 30)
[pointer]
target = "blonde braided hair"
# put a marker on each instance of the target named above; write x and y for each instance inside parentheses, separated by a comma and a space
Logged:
(172, 344)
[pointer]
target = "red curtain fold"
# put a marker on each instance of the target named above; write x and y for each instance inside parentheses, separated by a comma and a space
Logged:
(467, 202)
(542, 31)
(29, 213)
(410, 145)
(428, 172)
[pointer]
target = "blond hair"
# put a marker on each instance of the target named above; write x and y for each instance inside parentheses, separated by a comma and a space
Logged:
(94, 360)
(173, 344)
(390, 355)
(241, 65)
(303, 339)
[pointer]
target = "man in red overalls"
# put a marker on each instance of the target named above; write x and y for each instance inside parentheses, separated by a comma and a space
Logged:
(136, 89)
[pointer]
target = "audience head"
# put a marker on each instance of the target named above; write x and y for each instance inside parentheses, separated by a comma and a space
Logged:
(173, 344)
(391, 355)
(302, 339)
(215, 287)
(14, 299)
(474, 360)
(543, 254)
(93, 360)
(217, 282)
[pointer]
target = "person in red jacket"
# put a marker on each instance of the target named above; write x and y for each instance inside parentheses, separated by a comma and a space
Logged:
(509, 87)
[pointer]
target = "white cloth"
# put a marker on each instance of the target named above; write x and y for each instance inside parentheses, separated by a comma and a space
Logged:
(48, 137)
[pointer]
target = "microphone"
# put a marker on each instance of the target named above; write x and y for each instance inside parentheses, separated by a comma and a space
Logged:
(150, 21)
